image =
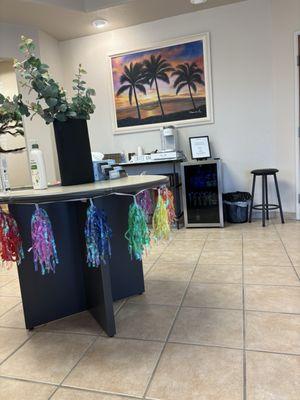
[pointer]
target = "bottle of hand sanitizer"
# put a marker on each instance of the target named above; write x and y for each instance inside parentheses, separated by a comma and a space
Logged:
(37, 167)
(4, 181)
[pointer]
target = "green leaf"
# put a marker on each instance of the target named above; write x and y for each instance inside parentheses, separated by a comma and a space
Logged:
(90, 92)
(71, 114)
(51, 101)
(63, 108)
(61, 117)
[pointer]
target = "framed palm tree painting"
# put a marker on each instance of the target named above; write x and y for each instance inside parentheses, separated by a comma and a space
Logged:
(166, 83)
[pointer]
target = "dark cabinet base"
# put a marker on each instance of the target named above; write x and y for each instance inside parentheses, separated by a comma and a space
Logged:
(75, 287)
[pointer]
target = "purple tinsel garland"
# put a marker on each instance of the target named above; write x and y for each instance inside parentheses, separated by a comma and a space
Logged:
(97, 236)
(144, 200)
(43, 243)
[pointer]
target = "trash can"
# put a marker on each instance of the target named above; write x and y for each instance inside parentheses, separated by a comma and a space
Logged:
(236, 207)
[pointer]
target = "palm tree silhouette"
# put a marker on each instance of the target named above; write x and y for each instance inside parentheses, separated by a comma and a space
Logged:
(132, 80)
(156, 68)
(188, 75)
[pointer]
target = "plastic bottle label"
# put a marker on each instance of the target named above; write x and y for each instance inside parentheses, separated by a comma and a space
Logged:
(34, 174)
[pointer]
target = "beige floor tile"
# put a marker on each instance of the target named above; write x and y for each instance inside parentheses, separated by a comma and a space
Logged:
(147, 267)
(150, 259)
(261, 234)
(11, 289)
(294, 256)
(7, 303)
(214, 295)
(218, 274)
(11, 389)
(77, 323)
(73, 394)
(117, 366)
(298, 271)
(13, 318)
(187, 372)
(144, 321)
(179, 256)
(209, 326)
(117, 305)
(222, 244)
(225, 234)
(191, 234)
(273, 298)
(160, 292)
(222, 257)
(171, 271)
(10, 340)
(291, 241)
(270, 276)
(279, 333)
(46, 357)
(5, 279)
(272, 376)
(13, 272)
(260, 253)
(256, 226)
(186, 245)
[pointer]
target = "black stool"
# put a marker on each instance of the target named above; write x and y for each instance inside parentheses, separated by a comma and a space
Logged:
(265, 206)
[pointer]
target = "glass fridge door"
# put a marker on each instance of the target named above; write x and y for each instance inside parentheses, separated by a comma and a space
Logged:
(202, 193)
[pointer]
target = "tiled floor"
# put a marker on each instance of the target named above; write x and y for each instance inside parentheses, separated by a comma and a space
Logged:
(220, 320)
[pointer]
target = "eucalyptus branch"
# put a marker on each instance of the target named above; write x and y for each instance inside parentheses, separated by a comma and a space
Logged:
(36, 77)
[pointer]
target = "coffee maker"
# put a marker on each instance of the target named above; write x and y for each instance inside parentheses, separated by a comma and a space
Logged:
(168, 136)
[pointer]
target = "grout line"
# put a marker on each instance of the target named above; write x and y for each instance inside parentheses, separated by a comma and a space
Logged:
(219, 308)
(18, 348)
(233, 348)
(165, 342)
(74, 366)
(7, 311)
(102, 392)
(286, 251)
(92, 343)
(7, 283)
(172, 326)
(244, 326)
(15, 378)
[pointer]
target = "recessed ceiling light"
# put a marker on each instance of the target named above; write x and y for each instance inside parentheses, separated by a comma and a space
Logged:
(99, 23)
(198, 1)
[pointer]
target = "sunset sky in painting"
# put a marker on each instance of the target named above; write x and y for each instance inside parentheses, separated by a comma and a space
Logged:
(177, 54)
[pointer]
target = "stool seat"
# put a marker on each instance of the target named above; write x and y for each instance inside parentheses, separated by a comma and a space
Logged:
(265, 171)
(265, 207)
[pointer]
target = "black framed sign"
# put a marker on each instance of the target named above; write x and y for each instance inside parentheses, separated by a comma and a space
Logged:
(200, 148)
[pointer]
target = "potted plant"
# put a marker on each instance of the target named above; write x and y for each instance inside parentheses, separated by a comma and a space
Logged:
(68, 116)
(10, 121)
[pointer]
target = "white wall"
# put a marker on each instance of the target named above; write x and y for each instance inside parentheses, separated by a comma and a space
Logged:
(17, 162)
(285, 21)
(253, 85)
(10, 35)
(245, 133)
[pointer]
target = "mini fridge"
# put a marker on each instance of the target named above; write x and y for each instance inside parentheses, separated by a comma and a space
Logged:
(202, 193)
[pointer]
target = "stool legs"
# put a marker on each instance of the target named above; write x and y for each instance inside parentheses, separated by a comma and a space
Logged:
(252, 197)
(267, 197)
(263, 204)
(279, 200)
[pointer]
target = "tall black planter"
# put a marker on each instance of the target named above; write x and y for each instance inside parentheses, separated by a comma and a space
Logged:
(74, 152)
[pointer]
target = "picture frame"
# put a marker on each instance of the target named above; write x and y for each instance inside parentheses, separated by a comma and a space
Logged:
(200, 147)
(166, 98)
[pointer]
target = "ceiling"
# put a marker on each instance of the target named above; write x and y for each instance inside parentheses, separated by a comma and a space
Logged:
(67, 19)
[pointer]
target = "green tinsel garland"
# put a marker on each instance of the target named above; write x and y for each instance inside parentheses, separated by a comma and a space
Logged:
(138, 234)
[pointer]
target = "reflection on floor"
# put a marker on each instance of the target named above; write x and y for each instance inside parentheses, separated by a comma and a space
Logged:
(220, 320)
